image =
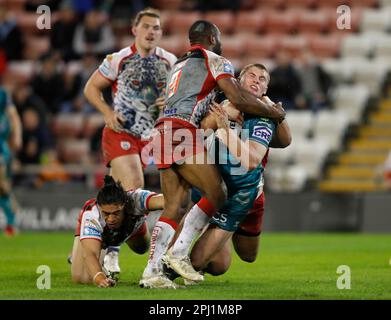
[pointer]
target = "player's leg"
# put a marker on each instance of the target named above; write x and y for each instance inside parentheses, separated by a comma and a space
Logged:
(173, 189)
(139, 242)
(213, 242)
(246, 238)
(5, 198)
(121, 154)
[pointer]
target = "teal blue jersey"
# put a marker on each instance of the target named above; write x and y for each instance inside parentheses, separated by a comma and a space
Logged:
(236, 177)
(5, 127)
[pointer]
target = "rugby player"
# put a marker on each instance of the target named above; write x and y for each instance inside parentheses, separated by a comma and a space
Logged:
(191, 88)
(114, 217)
(137, 75)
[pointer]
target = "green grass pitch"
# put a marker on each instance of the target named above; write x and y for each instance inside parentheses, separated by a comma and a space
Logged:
(289, 266)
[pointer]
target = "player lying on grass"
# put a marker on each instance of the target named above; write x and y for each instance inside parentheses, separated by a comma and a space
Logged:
(241, 216)
(114, 217)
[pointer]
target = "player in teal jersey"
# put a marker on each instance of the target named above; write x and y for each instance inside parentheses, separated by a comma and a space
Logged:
(10, 140)
(244, 179)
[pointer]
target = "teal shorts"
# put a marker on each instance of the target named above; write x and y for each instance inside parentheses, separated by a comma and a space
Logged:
(234, 210)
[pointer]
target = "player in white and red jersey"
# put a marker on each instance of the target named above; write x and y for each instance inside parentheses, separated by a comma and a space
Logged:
(114, 217)
(137, 75)
(191, 88)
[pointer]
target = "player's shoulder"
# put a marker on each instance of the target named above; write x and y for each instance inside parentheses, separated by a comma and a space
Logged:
(120, 54)
(162, 53)
(212, 56)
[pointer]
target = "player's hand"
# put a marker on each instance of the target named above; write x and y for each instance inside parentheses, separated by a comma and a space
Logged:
(160, 102)
(103, 282)
(233, 113)
(279, 110)
(114, 121)
(221, 116)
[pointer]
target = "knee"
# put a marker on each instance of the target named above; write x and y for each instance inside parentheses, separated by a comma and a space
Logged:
(216, 269)
(248, 257)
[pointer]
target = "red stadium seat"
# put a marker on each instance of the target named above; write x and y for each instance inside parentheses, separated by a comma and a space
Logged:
(233, 46)
(294, 45)
(333, 3)
(250, 21)
(93, 122)
(325, 46)
(18, 72)
(365, 3)
(224, 20)
(182, 22)
(166, 4)
(261, 46)
(276, 4)
(281, 21)
(68, 125)
(16, 6)
(74, 151)
(176, 44)
(309, 21)
(300, 4)
(35, 47)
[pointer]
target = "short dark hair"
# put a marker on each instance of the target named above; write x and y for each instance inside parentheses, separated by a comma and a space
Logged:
(201, 30)
(257, 65)
(149, 12)
(111, 192)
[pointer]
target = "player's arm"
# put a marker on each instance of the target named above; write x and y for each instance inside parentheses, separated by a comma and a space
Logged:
(15, 140)
(93, 93)
(282, 136)
(91, 252)
(249, 103)
(249, 154)
(156, 202)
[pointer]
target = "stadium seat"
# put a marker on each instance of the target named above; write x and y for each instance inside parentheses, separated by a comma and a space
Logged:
(281, 22)
(341, 70)
(19, 72)
(250, 22)
(74, 151)
(182, 22)
(352, 100)
(260, 46)
(276, 4)
(382, 45)
(376, 20)
(372, 74)
(356, 46)
(93, 122)
(176, 44)
(291, 178)
(27, 22)
(233, 46)
(333, 3)
(224, 20)
(311, 155)
(325, 46)
(330, 126)
(166, 4)
(294, 45)
(68, 125)
(305, 4)
(309, 21)
(365, 3)
(16, 6)
(35, 47)
(300, 123)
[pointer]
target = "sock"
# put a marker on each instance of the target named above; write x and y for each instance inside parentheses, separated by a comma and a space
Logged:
(113, 248)
(5, 204)
(193, 225)
(161, 236)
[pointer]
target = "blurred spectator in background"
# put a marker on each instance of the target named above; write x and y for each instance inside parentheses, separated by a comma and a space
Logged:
(24, 98)
(48, 83)
(35, 139)
(32, 5)
(285, 84)
(315, 82)
(387, 172)
(74, 100)
(63, 31)
(53, 171)
(10, 141)
(93, 36)
(11, 41)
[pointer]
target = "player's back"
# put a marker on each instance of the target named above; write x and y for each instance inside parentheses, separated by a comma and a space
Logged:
(191, 84)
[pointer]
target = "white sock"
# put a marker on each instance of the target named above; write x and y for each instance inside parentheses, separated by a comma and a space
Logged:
(161, 237)
(194, 223)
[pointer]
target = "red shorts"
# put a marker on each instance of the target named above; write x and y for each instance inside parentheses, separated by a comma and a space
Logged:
(252, 224)
(175, 140)
(116, 144)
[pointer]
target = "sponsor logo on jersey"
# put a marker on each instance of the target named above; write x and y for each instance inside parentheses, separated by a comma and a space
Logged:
(125, 145)
(91, 228)
(262, 132)
(228, 67)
